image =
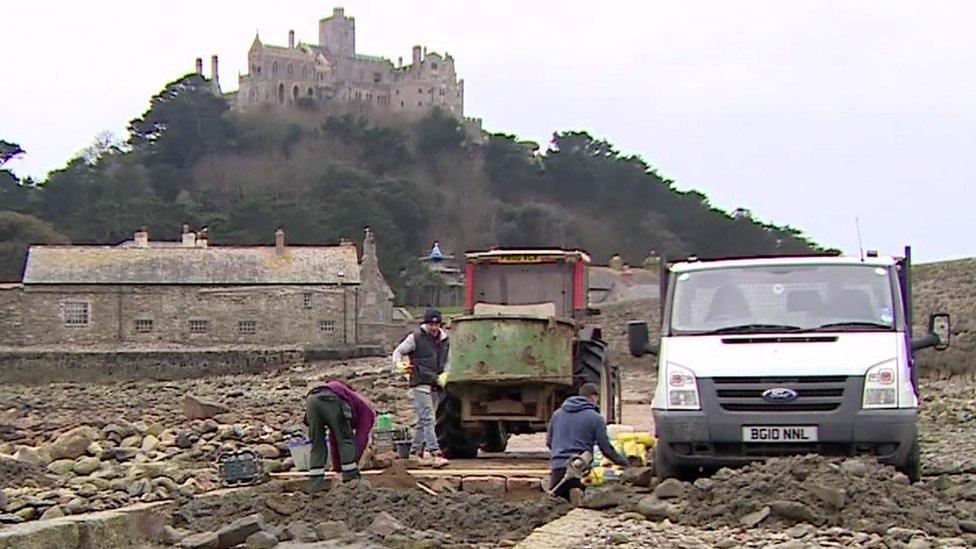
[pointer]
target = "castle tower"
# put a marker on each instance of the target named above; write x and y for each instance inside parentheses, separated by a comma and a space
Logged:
(338, 33)
(199, 67)
(214, 75)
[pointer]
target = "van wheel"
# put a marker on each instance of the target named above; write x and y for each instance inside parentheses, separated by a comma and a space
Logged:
(913, 463)
(664, 468)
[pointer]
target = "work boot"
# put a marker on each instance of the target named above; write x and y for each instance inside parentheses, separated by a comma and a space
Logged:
(418, 460)
(440, 460)
(316, 484)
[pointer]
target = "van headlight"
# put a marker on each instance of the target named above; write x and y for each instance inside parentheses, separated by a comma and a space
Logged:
(682, 390)
(881, 386)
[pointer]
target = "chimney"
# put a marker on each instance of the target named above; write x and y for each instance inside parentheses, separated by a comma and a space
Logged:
(199, 66)
(189, 237)
(416, 55)
(369, 248)
(141, 238)
(425, 53)
(186, 228)
(291, 39)
(400, 62)
(214, 75)
(279, 241)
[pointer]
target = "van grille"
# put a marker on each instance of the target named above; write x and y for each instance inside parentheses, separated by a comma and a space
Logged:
(814, 393)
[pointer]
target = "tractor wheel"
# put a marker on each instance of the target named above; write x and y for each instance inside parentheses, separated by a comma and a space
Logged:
(453, 439)
(592, 365)
(495, 437)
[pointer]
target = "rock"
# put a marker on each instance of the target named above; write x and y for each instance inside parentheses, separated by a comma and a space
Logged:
(238, 531)
(261, 540)
(726, 544)
(902, 534)
(274, 466)
(299, 531)
(74, 443)
(185, 440)
(453, 484)
(134, 441)
(638, 476)
(799, 530)
(86, 465)
(29, 513)
(139, 488)
(119, 454)
(267, 451)
(281, 505)
(754, 518)
(61, 466)
(331, 530)
(170, 536)
(209, 426)
(968, 526)
(121, 430)
(854, 467)
(52, 513)
(602, 498)
(149, 443)
(205, 540)
(655, 509)
(670, 488)
(835, 497)
(198, 408)
(33, 456)
(384, 525)
(492, 486)
(630, 516)
(3, 500)
(794, 511)
(10, 519)
(619, 538)
(919, 543)
(76, 506)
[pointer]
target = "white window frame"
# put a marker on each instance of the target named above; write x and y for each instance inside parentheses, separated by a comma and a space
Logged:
(80, 318)
(328, 327)
(194, 322)
(306, 300)
(247, 327)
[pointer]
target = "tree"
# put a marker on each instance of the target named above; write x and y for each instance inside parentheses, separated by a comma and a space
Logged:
(13, 192)
(17, 232)
(439, 131)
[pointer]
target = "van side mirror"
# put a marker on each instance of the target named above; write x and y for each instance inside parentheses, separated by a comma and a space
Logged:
(940, 324)
(638, 339)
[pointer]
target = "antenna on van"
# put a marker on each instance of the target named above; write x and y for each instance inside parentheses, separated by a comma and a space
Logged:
(860, 244)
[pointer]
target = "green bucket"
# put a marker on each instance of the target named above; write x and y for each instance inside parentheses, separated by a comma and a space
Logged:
(384, 421)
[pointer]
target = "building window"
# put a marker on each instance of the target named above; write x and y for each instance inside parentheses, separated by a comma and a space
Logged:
(247, 327)
(290, 70)
(274, 68)
(327, 327)
(420, 103)
(198, 326)
(398, 92)
(307, 300)
(442, 91)
(144, 325)
(76, 313)
(420, 90)
(433, 66)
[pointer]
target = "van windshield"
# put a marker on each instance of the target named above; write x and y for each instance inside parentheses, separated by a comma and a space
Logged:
(782, 298)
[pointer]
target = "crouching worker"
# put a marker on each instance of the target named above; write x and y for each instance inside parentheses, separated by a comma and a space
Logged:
(349, 418)
(577, 427)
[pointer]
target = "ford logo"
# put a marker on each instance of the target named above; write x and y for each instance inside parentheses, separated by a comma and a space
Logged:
(779, 394)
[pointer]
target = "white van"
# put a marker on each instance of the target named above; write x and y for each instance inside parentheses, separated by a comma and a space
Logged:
(786, 355)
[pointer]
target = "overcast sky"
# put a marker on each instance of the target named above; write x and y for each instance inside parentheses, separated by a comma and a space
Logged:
(810, 114)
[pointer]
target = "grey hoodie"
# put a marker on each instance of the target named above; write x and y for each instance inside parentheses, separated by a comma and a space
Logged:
(576, 428)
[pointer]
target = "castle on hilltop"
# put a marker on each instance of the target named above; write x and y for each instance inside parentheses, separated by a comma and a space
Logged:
(332, 71)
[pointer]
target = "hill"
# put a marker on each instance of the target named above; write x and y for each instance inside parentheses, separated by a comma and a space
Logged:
(948, 286)
(325, 175)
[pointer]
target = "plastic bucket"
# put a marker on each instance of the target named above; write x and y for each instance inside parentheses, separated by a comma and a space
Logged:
(301, 453)
(403, 449)
(384, 422)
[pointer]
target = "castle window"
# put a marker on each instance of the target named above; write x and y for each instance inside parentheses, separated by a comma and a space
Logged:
(401, 103)
(290, 69)
(144, 325)
(327, 327)
(76, 313)
(307, 300)
(420, 103)
(420, 90)
(294, 93)
(311, 92)
(442, 91)
(304, 71)
(199, 326)
(281, 93)
(274, 68)
(247, 327)
(377, 77)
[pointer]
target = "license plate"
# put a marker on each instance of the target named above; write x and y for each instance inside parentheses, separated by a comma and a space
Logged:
(790, 433)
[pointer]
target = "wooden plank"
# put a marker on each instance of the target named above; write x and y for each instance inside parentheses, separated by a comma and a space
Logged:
(436, 473)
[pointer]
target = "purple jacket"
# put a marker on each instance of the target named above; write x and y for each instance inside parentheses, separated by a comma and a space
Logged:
(363, 418)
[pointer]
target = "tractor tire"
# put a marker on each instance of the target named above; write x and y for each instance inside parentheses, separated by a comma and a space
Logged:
(591, 365)
(495, 438)
(452, 437)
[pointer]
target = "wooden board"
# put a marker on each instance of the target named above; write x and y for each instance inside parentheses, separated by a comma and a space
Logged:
(426, 473)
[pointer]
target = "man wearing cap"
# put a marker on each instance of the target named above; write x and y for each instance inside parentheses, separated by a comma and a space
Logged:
(422, 357)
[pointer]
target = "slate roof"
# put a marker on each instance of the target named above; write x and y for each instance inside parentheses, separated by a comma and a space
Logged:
(214, 265)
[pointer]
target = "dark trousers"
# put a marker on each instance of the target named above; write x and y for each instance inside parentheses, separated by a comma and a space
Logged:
(557, 475)
(326, 411)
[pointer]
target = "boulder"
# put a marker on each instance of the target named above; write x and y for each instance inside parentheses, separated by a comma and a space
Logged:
(267, 451)
(205, 540)
(670, 488)
(794, 511)
(3, 500)
(170, 536)
(52, 513)
(655, 509)
(261, 540)
(384, 525)
(149, 443)
(639, 476)
(86, 465)
(602, 498)
(750, 520)
(835, 497)
(74, 443)
(492, 486)
(300, 531)
(33, 456)
(61, 466)
(281, 505)
(198, 408)
(238, 531)
(331, 530)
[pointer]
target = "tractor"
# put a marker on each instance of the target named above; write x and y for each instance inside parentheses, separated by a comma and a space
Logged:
(524, 345)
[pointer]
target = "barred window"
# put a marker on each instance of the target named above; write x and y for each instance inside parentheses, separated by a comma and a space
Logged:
(327, 326)
(307, 300)
(198, 326)
(76, 313)
(144, 325)
(247, 327)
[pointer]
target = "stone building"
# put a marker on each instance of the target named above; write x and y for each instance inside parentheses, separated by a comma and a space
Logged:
(332, 70)
(143, 294)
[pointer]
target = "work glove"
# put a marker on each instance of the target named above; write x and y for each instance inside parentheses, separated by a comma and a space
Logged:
(404, 368)
(442, 379)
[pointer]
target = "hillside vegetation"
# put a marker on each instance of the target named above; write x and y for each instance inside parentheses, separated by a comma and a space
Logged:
(325, 175)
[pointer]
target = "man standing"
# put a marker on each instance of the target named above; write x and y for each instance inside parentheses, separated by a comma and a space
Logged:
(422, 356)
(575, 428)
(348, 417)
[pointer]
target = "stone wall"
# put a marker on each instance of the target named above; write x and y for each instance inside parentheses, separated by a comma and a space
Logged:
(10, 314)
(151, 316)
(376, 297)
